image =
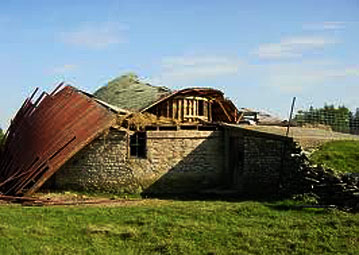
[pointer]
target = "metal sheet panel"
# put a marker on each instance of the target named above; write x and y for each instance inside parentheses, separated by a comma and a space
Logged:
(47, 133)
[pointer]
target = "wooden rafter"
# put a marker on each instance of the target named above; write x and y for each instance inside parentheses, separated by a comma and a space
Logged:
(224, 110)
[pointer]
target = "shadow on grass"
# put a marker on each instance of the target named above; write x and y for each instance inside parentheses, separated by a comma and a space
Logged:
(209, 197)
(292, 205)
(235, 198)
(276, 202)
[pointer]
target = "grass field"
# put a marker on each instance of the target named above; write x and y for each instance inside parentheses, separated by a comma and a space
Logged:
(153, 226)
(178, 227)
(343, 156)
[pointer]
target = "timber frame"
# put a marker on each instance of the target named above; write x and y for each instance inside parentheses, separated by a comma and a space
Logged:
(195, 105)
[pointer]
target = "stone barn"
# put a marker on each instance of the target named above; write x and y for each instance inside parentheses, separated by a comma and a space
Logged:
(152, 141)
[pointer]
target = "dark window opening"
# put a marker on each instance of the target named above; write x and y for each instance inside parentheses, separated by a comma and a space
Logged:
(200, 108)
(138, 145)
(168, 128)
(151, 128)
(187, 109)
(188, 127)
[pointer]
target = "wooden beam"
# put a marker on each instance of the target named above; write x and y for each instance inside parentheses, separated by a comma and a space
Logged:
(174, 109)
(180, 109)
(224, 110)
(240, 118)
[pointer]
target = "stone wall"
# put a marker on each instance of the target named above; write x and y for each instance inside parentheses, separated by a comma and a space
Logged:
(258, 164)
(177, 162)
(100, 165)
(182, 161)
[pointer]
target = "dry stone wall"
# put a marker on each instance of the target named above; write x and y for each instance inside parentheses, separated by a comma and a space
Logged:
(258, 165)
(176, 162)
(182, 161)
(100, 165)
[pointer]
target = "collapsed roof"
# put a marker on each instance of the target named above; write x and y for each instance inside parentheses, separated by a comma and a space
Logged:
(50, 130)
(127, 92)
(47, 132)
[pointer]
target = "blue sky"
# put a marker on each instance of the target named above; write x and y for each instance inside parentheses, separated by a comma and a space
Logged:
(260, 53)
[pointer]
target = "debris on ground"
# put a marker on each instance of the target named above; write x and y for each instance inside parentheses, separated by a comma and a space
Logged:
(40, 201)
(330, 188)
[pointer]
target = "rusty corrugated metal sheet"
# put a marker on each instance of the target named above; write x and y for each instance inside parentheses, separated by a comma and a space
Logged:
(45, 134)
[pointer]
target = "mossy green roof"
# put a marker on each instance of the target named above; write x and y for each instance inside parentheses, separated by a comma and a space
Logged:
(127, 92)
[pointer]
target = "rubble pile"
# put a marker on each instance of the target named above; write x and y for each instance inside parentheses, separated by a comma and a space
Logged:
(330, 188)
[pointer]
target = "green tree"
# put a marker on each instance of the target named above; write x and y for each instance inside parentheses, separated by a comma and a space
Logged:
(338, 118)
(354, 122)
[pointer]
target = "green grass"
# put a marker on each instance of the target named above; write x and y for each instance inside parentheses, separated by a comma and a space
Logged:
(178, 227)
(342, 156)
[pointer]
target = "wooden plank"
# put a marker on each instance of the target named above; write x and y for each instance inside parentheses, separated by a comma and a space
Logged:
(225, 111)
(174, 109)
(240, 118)
(180, 109)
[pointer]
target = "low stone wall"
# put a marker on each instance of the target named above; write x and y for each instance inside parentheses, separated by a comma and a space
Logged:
(258, 160)
(99, 166)
(182, 161)
(177, 162)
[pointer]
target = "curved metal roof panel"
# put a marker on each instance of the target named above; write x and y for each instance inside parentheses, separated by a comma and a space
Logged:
(46, 133)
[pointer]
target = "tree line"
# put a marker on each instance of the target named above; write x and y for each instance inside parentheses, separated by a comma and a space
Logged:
(339, 119)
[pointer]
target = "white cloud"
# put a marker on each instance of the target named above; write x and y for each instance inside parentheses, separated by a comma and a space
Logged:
(292, 47)
(288, 76)
(96, 35)
(197, 68)
(63, 69)
(326, 25)
(295, 77)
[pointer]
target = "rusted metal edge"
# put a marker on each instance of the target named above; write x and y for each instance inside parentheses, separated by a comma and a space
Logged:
(35, 201)
(57, 88)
